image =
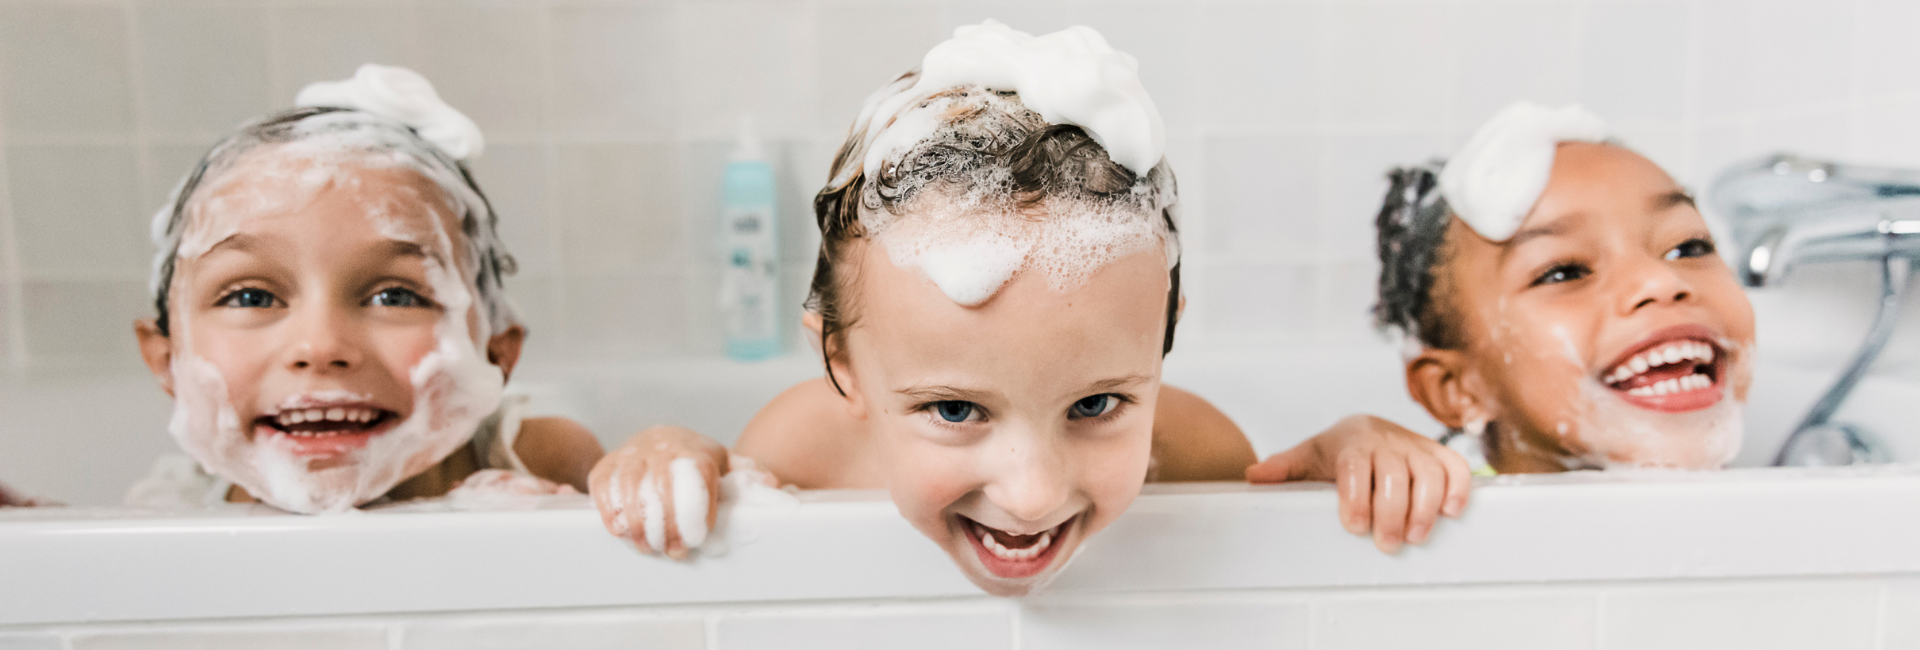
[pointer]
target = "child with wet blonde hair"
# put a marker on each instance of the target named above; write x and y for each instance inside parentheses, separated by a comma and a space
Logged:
(331, 320)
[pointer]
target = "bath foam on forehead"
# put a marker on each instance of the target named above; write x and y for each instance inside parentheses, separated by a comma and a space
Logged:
(971, 253)
(1497, 177)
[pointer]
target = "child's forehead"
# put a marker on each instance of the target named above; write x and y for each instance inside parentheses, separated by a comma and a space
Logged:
(277, 182)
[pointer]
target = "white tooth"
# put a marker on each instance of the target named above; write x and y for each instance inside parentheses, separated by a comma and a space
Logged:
(1706, 353)
(336, 414)
(1046, 539)
(298, 416)
(1660, 387)
(1669, 386)
(314, 415)
(987, 540)
(366, 415)
(1641, 392)
(1638, 364)
(1669, 354)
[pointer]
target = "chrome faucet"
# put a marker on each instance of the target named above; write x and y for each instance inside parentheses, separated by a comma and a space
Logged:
(1787, 210)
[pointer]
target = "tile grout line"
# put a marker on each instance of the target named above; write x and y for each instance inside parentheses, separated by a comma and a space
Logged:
(16, 320)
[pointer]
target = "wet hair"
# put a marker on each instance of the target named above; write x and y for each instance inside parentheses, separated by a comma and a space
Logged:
(1412, 230)
(989, 143)
(371, 134)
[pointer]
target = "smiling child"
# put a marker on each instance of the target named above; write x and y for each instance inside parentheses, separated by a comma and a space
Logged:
(331, 320)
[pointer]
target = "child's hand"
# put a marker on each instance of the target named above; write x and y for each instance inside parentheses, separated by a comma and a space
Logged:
(1392, 481)
(661, 489)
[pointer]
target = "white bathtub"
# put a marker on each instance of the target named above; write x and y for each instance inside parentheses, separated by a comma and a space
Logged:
(1752, 558)
(1742, 559)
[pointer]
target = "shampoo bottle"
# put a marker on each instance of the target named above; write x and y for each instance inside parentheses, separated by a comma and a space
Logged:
(750, 283)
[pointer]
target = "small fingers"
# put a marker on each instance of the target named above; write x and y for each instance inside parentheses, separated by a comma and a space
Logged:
(1353, 479)
(1428, 490)
(1390, 502)
(1459, 482)
(1278, 468)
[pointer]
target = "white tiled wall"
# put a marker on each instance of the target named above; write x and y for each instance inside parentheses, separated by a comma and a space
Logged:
(608, 121)
(1861, 613)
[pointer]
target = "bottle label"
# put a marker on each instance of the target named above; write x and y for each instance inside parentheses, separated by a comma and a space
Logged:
(748, 288)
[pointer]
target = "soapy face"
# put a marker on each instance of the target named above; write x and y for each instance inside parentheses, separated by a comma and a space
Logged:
(324, 346)
(1606, 331)
(1012, 430)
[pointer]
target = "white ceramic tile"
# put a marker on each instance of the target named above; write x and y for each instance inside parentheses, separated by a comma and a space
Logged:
(330, 41)
(487, 59)
(1263, 196)
(84, 324)
(619, 208)
(1666, 145)
(612, 317)
(1759, 56)
(862, 47)
(1355, 185)
(1388, 64)
(1633, 60)
(612, 69)
(514, 178)
(1456, 619)
(1258, 301)
(1886, 45)
(1511, 52)
(1825, 614)
(344, 637)
(1277, 625)
(1348, 293)
(65, 69)
(538, 302)
(735, 59)
(77, 212)
(1900, 616)
(1261, 65)
(571, 631)
(1030, 16)
(1886, 133)
(876, 627)
(204, 68)
(166, 165)
(30, 641)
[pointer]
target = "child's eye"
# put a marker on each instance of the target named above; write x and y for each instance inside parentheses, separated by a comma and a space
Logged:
(249, 299)
(398, 297)
(1696, 247)
(1094, 406)
(956, 411)
(1563, 272)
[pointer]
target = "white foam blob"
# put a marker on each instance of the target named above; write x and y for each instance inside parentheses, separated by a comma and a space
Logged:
(1069, 77)
(653, 513)
(404, 96)
(1497, 177)
(689, 501)
(1620, 435)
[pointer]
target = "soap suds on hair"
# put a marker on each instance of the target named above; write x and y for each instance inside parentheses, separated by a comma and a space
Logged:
(1497, 177)
(1069, 77)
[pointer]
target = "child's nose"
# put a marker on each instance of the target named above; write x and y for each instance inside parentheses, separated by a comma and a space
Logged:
(1652, 283)
(1036, 482)
(320, 343)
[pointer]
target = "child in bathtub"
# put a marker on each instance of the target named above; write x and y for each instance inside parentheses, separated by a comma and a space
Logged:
(997, 285)
(1569, 307)
(332, 324)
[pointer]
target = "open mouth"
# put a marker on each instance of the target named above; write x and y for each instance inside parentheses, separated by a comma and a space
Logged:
(1010, 555)
(325, 430)
(1679, 369)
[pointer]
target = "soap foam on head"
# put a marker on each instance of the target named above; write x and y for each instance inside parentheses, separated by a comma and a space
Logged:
(939, 205)
(1497, 177)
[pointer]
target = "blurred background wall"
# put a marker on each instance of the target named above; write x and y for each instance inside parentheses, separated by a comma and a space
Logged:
(608, 122)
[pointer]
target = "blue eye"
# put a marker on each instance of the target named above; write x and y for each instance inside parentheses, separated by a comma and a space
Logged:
(954, 410)
(249, 299)
(397, 297)
(1094, 406)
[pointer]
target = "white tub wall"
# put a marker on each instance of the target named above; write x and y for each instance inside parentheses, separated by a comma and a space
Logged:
(607, 121)
(1839, 613)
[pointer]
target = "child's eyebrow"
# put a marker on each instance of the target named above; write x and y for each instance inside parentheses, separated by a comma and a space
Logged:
(935, 393)
(1669, 199)
(1116, 383)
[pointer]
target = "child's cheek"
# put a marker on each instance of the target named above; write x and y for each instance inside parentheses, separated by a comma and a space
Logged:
(1112, 472)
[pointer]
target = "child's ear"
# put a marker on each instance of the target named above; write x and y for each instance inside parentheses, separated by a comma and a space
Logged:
(1444, 383)
(1180, 311)
(157, 350)
(838, 370)
(504, 349)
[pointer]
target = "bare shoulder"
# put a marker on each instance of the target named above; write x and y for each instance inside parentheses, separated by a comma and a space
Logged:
(806, 437)
(1194, 441)
(558, 449)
